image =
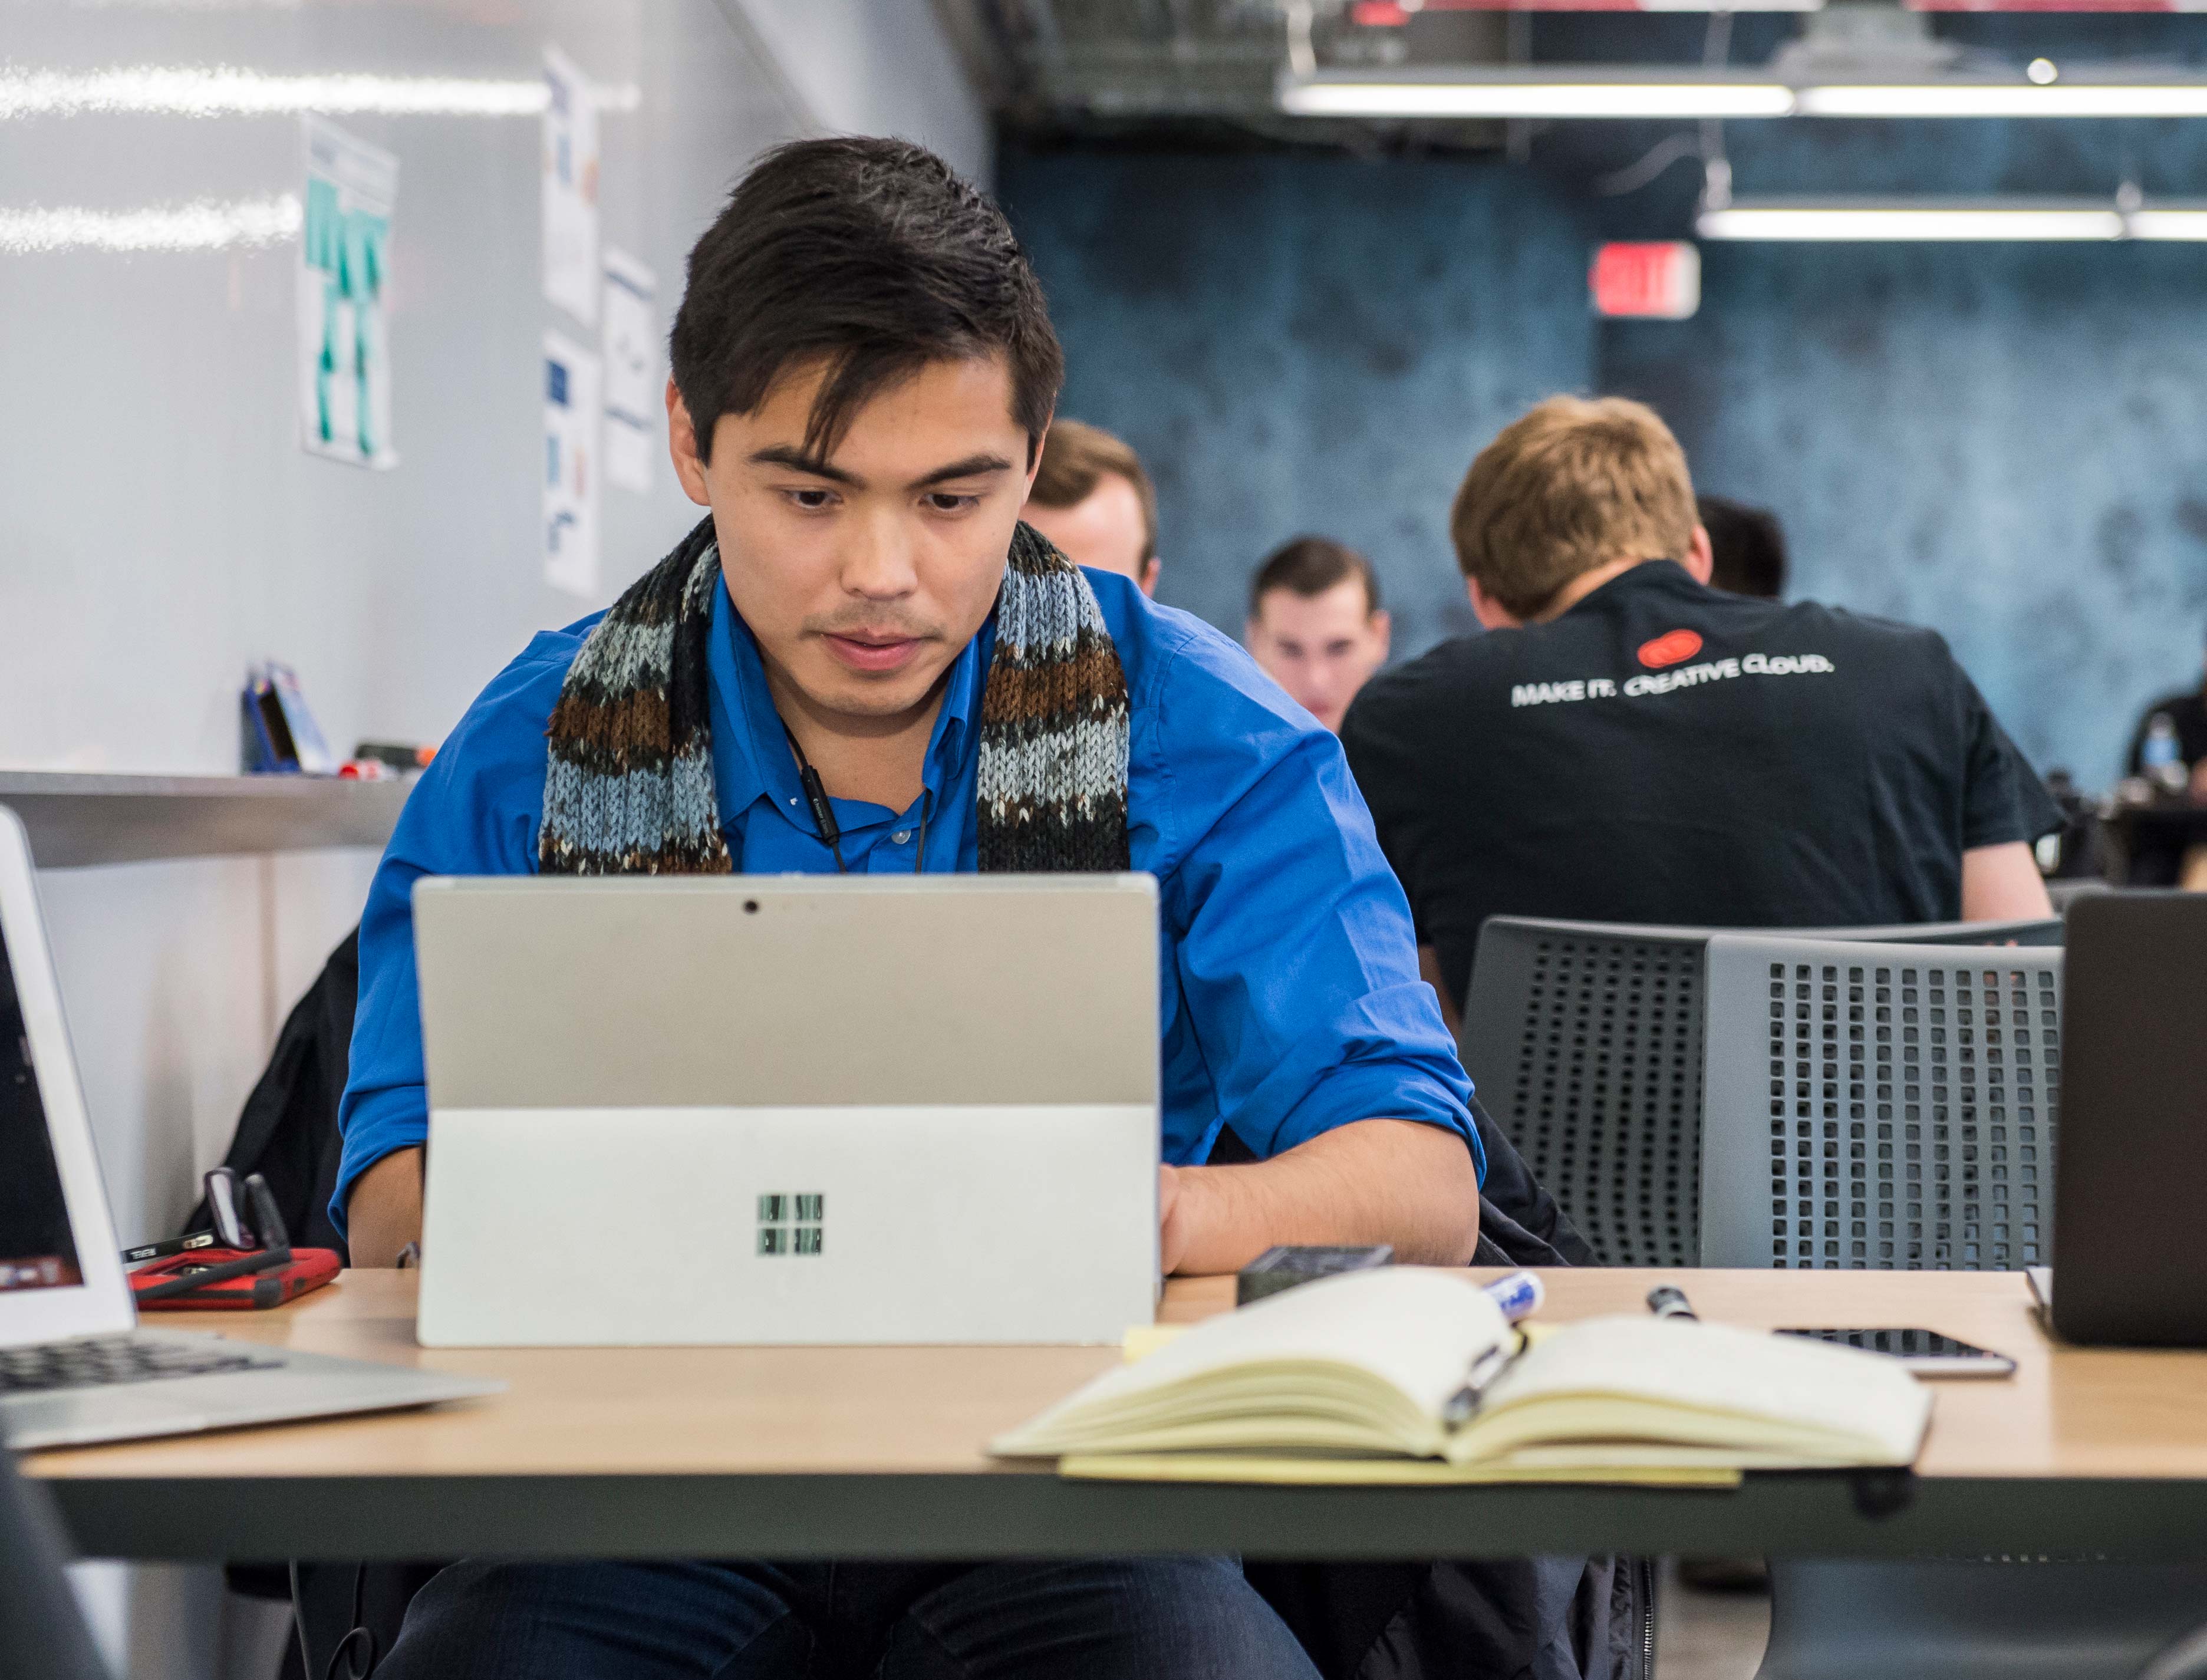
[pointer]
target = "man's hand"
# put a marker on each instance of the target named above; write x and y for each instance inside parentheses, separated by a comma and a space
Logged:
(1398, 1181)
(383, 1212)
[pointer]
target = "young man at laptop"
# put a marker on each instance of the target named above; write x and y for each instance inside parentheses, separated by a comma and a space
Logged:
(863, 375)
(1625, 744)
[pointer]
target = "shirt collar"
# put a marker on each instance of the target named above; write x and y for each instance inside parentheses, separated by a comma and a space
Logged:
(1653, 575)
(751, 753)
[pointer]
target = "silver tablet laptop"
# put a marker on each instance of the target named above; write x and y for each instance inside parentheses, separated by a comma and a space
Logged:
(771, 1109)
(73, 1367)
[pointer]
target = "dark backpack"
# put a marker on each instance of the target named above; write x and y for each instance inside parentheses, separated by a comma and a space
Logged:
(1519, 1618)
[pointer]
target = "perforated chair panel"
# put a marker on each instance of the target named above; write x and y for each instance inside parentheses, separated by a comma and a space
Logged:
(1587, 1051)
(1884, 1107)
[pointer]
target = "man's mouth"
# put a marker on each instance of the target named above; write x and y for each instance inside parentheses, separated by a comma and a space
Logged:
(871, 650)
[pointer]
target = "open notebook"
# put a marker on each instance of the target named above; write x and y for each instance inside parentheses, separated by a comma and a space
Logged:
(1403, 1374)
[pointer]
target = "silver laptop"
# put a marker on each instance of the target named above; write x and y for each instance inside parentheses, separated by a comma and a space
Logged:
(771, 1109)
(72, 1369)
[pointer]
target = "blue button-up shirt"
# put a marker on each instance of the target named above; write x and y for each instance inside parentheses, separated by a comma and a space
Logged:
(1289, 996)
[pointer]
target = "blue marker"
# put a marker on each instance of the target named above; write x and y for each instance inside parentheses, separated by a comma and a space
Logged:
(1519, 1295)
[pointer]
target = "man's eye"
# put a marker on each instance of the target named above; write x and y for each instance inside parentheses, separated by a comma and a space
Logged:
(942, 501)
(812, 501)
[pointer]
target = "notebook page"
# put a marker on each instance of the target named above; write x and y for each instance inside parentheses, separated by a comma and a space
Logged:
(1416, 1330)
(1746, 1388)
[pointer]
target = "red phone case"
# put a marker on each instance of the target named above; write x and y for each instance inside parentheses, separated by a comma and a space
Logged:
(308, 1268)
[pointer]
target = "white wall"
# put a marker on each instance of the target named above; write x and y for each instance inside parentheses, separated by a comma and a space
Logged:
(160, 526)
(880, 66)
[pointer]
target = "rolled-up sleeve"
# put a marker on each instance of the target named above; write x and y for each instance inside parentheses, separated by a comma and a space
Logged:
(474, 811)
(1295, 960)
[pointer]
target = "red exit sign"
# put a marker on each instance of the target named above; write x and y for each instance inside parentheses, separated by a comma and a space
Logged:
(1646, 281)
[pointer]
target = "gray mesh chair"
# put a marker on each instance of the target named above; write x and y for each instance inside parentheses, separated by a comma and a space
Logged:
(1883, 1106)
(1586, 1042)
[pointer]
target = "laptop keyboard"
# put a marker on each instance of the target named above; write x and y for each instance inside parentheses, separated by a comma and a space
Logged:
(102, 1360)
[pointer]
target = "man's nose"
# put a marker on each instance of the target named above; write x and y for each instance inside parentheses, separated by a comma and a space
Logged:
(879, 562)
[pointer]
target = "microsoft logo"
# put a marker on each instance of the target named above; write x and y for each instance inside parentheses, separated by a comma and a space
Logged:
(778, 1236)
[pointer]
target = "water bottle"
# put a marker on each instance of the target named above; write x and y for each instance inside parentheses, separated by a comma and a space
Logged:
(2161, 761)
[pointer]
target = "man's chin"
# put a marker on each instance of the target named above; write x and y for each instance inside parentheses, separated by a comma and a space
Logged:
(858, 695)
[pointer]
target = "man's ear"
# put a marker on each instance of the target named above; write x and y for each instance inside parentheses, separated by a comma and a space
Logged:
(682, 447)
(1036, 443)
(1701, 561)
(1383, 628)
(1148, 580)
(1488, 611)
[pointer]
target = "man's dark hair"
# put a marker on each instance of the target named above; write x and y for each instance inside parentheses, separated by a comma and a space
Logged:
(1749, 545)
(872, 256)
(1310, 566)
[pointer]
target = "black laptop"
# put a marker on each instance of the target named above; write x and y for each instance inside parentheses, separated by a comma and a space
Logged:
(2131, 1165)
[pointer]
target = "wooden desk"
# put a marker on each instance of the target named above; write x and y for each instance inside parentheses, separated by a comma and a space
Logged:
(877, 1452)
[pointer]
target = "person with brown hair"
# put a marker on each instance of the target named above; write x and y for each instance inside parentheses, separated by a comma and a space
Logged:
(1626, 744)
(1093, 500)
(1316, 624)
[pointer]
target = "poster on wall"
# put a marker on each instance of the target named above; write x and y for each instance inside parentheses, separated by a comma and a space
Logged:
(570, 189)
(571, 467)
(633, 402)
(344, 280)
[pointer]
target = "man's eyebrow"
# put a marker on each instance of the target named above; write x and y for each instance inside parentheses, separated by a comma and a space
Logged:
(782, 455)
(972, 467)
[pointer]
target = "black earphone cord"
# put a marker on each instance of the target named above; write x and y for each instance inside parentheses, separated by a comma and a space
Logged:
(823, 813)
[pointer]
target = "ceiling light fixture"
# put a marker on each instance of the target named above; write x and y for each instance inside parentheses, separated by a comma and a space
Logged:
(1958, 98)
(1597, 92)
(1588, 92)
(223, 91)
(2018, 220)
(204, 224)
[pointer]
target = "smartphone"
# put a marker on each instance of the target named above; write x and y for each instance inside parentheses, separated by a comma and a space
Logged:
(1925, 1352)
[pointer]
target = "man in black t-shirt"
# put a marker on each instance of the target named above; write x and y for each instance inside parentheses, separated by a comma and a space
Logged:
(2186, 712)
(1628, 744)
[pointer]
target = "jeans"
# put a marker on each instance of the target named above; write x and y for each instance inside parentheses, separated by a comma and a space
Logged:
(1090, 1619)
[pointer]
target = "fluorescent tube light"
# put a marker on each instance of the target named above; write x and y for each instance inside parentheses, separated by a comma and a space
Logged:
(222, 91)
(1589, 94)
(2168, 223)
(2005, 98)
(2023, 222)
(205, 225)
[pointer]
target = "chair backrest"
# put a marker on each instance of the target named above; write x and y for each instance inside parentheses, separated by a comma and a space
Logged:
(1586, 1043)
(42, 1632)
(1878, 1106)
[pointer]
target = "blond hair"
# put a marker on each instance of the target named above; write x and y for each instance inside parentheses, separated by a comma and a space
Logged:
(1075, 456)
(1570, 485)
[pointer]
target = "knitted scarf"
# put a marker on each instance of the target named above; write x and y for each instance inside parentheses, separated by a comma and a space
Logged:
(628, 784)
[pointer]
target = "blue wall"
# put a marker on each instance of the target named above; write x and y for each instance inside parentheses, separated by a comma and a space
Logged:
(2007, 443)
(1298, 343)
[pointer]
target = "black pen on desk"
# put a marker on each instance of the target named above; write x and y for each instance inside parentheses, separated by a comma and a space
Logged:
(1666, 1302)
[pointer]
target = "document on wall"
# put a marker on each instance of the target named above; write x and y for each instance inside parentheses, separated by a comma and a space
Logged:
(343, 277)
(571, 187)
(571, 467)
(634, 428)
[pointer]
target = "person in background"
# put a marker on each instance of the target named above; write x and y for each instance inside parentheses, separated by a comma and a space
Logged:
(1316, 624)
(2169, 746)
(1747, 547)
(1093, 498)
(1626, 744)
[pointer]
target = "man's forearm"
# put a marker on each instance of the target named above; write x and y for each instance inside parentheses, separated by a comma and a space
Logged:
(1396, 1181)
(383, 1214)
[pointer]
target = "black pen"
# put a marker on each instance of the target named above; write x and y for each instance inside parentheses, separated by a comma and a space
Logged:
(1666, 1302)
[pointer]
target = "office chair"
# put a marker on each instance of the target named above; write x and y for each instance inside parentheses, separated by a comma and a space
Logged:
(43, 1634)
(1586, 1043)
(1895, 1107)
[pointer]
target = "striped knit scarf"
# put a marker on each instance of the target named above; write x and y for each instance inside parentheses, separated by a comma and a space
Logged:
(628, 786)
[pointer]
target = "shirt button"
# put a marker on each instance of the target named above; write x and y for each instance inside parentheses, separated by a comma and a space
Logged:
(901, 835)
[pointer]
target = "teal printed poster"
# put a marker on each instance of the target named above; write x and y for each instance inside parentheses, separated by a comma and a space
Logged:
(344, 272)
